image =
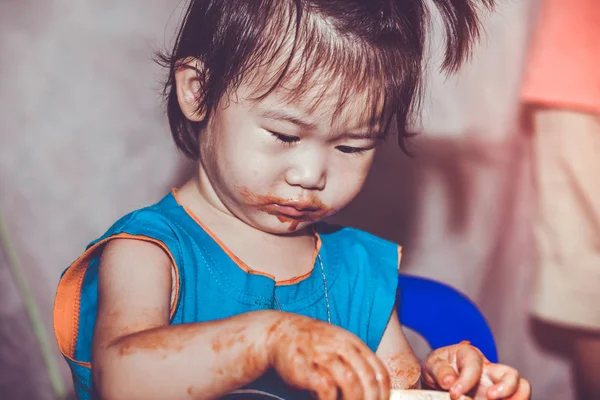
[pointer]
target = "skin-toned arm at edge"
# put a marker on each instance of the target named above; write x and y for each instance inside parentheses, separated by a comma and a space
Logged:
(457, 368)
(395, 351)
(136, 354)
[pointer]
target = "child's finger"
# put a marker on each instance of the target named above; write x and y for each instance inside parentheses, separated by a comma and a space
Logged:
(382, 375)
(524, 392)
(505, 380)
(470, 367)
(439, 373)
(346, 378)
(294, 371)
(445, 376)
(367, 375)
(322, 384)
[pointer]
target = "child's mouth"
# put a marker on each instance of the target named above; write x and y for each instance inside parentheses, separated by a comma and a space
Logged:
(288, 210)
(294, 213)
(299, 211)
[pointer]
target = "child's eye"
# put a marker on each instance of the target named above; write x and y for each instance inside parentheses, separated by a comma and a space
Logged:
(352, 150)
(285, 138)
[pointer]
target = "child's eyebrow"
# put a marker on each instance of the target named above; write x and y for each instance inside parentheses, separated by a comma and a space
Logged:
(282, 115)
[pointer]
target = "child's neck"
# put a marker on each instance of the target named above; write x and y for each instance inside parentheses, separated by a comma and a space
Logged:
(283, 256)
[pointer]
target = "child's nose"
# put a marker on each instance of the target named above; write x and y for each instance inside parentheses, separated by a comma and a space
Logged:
(308, 174)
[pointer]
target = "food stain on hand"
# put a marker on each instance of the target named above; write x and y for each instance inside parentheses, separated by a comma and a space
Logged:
(247, 364)
(305, 351)
(240, 358)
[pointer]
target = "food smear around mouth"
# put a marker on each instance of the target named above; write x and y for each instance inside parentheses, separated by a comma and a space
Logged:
(298, 210)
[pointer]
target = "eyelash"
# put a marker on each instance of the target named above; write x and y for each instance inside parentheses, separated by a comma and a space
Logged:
(290, 140)
(352, 150)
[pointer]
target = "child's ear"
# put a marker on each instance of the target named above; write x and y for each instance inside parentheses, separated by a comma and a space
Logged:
(188, 74)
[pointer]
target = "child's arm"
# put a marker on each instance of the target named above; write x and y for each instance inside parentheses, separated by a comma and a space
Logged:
(396, 353)
(137, 355)
(459, 369)
(462, 368)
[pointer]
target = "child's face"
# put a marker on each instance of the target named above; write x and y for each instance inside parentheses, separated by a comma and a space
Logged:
(279, 166)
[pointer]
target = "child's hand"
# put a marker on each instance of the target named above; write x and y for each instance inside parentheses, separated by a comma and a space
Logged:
(462, 368)
(324, 359)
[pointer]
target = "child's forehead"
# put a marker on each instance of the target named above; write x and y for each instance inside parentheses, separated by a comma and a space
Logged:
(319, 96)
(319, 70)
(316, 104)
(332, 78)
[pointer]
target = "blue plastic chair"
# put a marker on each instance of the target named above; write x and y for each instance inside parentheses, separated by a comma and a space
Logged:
(442, 315)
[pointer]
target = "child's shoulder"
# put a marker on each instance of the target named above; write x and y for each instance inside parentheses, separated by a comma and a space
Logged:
(158, 220)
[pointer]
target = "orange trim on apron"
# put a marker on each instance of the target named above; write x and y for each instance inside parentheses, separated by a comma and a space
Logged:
(68, 295)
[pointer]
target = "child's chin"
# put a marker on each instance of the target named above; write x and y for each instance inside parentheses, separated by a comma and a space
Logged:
(285, 228)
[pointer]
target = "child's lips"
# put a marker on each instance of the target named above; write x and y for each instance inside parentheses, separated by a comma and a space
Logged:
(287, 209)
(295, 210)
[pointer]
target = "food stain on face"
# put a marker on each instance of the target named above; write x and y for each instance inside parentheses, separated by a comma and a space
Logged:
(287, 210)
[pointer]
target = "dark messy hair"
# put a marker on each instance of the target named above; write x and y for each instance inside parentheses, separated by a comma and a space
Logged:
(367, 46)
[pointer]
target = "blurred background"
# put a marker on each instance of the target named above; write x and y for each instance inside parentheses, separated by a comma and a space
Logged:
(84, 140)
